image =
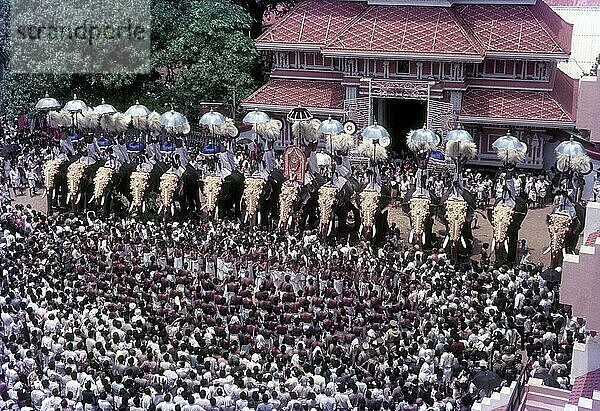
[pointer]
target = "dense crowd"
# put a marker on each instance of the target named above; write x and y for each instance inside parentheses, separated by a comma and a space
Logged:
(194, 315)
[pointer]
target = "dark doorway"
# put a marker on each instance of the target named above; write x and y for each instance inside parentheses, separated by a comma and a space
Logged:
(399, 117)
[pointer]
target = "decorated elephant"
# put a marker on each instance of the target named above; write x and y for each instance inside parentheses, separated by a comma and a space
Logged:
(456, 210)
(419, 204)
(565, 225)
(112, 186)
(506, 218)
(55, 182)
(80, 182)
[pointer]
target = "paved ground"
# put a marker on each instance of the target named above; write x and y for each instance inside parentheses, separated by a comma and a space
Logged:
(534, 228)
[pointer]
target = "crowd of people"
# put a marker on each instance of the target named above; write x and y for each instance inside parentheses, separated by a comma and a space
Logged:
(123, 314)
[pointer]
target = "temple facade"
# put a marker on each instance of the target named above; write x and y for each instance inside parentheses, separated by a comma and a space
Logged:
(490, 65)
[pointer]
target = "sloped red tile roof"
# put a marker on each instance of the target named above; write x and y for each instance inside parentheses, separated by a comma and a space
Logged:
(312, 22)
(406, 30)
(584, 386)
(306, 93)
(509, 29)
(591, 240)
(513, 105)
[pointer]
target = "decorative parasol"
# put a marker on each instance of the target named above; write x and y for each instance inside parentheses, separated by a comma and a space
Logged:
(212, 118)
(510, 149)
(47, 103)
(423, 139)
(299, 114)
(460, 145)
(137, 110)
(374, 132)
(75, 105)
(570, 148)
(174, 122)
(331, 127)
(256, 117)
(104, 109)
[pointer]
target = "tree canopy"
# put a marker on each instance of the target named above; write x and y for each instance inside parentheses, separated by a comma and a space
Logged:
(200, 51)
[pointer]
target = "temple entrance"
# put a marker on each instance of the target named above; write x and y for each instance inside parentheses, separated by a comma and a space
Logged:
(399, 116)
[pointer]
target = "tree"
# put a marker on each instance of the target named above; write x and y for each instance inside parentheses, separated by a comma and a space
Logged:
(256, 9)
(210, 57)
(200, 51)
(594, 69)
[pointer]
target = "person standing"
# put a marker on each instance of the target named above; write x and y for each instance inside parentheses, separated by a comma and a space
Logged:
(31, 181)
(15, 181)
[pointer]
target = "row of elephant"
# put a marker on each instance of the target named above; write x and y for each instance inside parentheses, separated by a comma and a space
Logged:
(423, 206)
(79, 187)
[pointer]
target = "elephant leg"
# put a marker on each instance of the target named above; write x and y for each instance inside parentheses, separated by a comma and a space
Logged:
(513, 239)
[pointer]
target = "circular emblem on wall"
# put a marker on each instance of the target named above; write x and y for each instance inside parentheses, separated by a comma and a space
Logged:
(350, 127)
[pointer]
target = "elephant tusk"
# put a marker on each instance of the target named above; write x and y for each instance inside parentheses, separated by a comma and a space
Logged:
(290, 221)
(374, 231)
(103, 200)
(547, 250)
(160, 208)
(45, 193)
(463, 242)
(91, 200)
(258, 217)
(68, 198)
(494, 244)
(423, 238)
(506, 246)
(330, 229)
(78, 198)
(143, 206)
(172, 209)
(131, 207)
(445, 244)
(410, 236)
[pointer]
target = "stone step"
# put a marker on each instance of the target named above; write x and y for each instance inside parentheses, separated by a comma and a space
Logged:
(545, 398)
(555, 392)
(541, 406)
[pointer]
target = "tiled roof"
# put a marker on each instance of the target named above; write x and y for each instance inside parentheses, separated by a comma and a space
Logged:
(591, 240)
(307, 93)
(312, 22)
(584, 386)
(406, 29)
(513, 105)
(509, 29)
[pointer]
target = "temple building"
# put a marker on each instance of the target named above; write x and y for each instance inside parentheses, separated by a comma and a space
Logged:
(489, 64)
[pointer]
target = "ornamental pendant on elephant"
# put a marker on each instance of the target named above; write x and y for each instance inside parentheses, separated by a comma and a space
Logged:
(294, 164)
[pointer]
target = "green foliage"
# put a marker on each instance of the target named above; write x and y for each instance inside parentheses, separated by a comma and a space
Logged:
(594, 69)
(201, 51)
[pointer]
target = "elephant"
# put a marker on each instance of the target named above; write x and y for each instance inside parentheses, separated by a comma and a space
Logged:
(576, 211)
(508, 253)
(230, 197)
(118, 188)
(463, 246)
(380, 226)
(423, 235)
(268, 208)
(78, 202)
(56, 194)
